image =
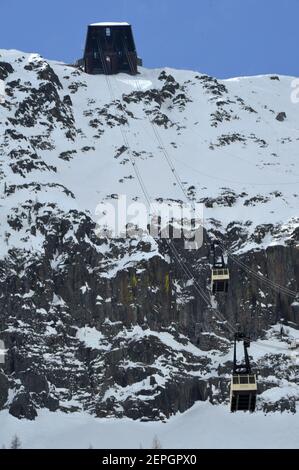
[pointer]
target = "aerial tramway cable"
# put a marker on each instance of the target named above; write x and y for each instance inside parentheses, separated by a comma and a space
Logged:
(183, 266)
(270, 284)
(173, 249)
(243, 383)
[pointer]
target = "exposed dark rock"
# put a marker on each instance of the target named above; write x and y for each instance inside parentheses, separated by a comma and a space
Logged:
(5, 70)
(68, 155)
(281, 405)
(22, 407)
(4, 388)
(281, 116)
(34, 382)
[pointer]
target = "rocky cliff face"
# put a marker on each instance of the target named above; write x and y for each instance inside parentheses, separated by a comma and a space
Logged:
(114, 326)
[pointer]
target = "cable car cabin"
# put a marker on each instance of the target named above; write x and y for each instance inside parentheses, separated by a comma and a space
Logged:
(220, 280)
(243, 391)
(243, 388)
(220, 271)
(109, 49)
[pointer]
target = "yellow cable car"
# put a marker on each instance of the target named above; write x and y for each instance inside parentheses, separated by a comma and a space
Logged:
(243, 391)
(243, 387)
(219, 280)
(220, 272)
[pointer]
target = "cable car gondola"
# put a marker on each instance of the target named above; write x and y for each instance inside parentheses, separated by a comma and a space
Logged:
(243, 388)
(220, 271)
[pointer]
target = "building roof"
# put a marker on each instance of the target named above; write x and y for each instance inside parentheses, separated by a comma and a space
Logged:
(110, 23)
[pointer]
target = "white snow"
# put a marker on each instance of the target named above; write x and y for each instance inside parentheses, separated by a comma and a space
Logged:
(92, 338)
(277, 393)
(137, 333)
(94, 175)
(85, 288)
(204, 426)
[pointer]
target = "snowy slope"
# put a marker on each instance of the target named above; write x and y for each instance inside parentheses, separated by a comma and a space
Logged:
(222, 136)
(201, 427)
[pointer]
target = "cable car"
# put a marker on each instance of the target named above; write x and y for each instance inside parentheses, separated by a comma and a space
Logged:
(243, 387)
(220, 272)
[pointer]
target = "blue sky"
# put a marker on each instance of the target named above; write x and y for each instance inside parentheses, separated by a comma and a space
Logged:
(223, 38)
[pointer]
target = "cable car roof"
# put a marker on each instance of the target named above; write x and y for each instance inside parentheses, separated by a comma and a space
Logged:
(110, 23)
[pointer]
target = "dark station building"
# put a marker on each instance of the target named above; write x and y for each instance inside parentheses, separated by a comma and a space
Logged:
(110, 49)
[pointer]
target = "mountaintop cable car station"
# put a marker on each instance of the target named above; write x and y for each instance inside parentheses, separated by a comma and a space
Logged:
(110, 49)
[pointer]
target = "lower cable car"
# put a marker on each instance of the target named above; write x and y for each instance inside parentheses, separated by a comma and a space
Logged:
(220, 272)
(243, 388)
(220, 280)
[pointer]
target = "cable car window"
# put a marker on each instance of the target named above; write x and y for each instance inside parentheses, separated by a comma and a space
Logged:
(251, 379)
(244, 380)
(235, 380)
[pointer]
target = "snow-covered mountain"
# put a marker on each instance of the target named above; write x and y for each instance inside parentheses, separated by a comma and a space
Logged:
(231, 143)
(113, 327)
